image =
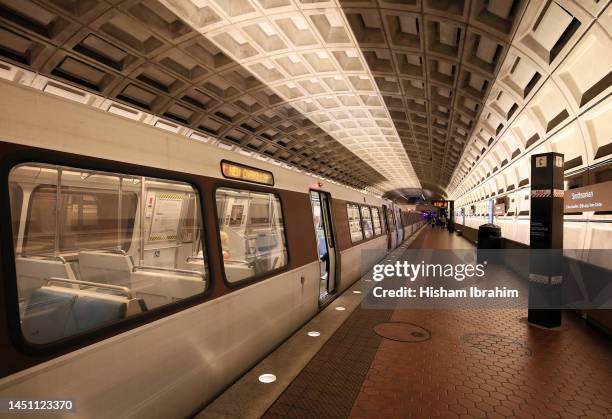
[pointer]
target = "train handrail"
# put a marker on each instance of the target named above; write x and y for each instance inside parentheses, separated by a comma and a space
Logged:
(44, 257)
(244, 262)
(117, 251)
(125, 290)
(160, 268)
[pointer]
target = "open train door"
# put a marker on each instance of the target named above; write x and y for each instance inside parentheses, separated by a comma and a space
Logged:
(326, 243)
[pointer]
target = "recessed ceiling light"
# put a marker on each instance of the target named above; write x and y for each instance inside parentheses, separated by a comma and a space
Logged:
(356, 292)
(267, 378)
(314, 334)
(340, 308)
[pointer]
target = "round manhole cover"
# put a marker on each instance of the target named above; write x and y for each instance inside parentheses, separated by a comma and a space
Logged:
(402, 332)
(496, 345)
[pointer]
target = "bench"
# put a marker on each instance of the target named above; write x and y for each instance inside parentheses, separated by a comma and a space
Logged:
(58, 309)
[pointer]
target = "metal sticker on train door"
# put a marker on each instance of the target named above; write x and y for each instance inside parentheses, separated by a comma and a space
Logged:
(150, 204)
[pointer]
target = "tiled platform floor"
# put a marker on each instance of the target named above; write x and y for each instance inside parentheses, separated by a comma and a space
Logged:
(478, 363)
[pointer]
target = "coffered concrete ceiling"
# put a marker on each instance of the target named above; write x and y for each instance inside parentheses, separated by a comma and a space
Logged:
(378, 95)
(308, 55)
(432, 63)
(148, 61)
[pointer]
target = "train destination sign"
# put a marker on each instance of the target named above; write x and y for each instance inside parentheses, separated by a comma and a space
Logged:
(595, 197)
(239, 171)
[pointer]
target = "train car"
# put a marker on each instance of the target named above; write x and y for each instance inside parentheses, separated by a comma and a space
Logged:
(143, 272)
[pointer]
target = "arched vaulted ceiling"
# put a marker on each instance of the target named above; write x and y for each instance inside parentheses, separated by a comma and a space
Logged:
(431, 63)
(378, 95)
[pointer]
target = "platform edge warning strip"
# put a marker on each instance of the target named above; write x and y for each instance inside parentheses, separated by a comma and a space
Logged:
(329, 384)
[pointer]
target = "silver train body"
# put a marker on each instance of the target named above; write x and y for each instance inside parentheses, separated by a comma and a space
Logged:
(173, 366)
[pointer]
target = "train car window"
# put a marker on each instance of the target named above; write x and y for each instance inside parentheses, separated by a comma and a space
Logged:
(88, 217)
(94, 248)
(252, 233)
(366, 220)
(354, 222)
(376, 221)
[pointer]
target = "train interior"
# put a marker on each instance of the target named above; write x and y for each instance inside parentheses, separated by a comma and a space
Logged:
(251, 232)
(86, 242)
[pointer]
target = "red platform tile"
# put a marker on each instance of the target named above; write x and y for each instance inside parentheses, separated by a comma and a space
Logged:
(513, 370)
(478, 363)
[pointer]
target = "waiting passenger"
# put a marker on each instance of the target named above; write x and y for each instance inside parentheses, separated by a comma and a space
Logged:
(225, 245)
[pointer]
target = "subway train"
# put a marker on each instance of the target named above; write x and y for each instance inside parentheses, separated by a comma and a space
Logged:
(143, 273)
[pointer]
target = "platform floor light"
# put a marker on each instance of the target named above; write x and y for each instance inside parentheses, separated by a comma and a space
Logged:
(267, 378)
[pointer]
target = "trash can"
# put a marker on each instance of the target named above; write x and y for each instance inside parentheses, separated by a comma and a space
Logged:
(489, 241)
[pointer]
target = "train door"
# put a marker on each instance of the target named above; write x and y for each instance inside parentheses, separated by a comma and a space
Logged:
(391, 228)
(397, 227)
(326, 245)
(400, 227)
(387, 227)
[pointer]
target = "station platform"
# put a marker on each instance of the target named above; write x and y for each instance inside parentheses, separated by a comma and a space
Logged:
(460, 363)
